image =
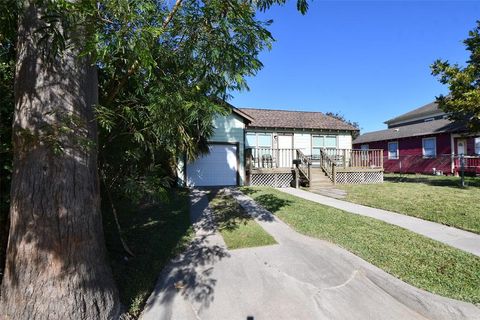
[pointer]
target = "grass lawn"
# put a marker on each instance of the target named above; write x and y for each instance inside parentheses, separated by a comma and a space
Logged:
(434, 198)
(238, 229)
(155, 234)
(415, 259)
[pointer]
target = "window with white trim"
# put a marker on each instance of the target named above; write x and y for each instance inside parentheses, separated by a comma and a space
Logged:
(429, 147)
(393, 150)
(319, 142)
(251, 139)
(264, 140)
(477, 145)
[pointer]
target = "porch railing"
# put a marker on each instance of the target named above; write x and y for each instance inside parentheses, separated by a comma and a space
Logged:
(271, 158)
(355, 158)
(470, 163)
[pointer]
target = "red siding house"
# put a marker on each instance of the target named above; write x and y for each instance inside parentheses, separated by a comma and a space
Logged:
(424, 140)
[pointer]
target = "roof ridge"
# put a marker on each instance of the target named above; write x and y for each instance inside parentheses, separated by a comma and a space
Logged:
(268, 109)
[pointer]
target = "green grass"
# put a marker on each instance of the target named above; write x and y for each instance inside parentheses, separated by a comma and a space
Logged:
(435, 198)
(155, 234)
(415, 259)
(237, 228)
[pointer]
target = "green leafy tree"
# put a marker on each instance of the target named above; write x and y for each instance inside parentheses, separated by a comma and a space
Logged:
(463, 101)
(162, 70)
(341, 117)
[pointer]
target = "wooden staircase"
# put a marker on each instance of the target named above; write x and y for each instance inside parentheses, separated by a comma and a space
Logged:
(321, 184)
(319, 179)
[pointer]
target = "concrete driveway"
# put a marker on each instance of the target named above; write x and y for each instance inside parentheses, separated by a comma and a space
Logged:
(300, 278)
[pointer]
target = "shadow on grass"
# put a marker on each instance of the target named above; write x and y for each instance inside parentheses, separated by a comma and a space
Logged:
(227, 214)
(441, 181)
(248, 191)
(272, 203)
(155, 234)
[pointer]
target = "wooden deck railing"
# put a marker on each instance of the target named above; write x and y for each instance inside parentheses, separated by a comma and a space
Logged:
(272, 158)
(342, 158)
(355, 158)
(331, 160)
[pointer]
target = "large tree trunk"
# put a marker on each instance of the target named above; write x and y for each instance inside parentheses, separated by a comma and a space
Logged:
(56, 265)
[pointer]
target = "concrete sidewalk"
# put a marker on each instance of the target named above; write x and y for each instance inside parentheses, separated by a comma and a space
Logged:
(460, 239)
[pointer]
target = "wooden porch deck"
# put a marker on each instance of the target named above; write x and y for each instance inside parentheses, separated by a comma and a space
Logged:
(285, 167)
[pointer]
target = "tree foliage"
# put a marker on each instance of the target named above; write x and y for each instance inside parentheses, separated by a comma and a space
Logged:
(463, 101)
(163, 68)
(341, 117)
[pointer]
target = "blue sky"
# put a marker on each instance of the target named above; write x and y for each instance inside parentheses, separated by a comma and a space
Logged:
(368, 60)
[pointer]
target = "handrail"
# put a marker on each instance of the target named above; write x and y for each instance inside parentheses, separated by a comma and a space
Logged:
(327, 164)
(304, 163)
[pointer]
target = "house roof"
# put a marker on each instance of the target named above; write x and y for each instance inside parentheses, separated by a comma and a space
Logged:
(267, 118)
(412, 130)
(234, 110)
(242, 114)
(428, 109)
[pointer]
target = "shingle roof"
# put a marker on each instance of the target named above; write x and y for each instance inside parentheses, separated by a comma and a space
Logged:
(418, 129)
(267, 118)
(425, 110)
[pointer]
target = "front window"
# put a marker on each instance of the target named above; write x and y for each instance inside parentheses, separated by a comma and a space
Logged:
(251, 140)
(364, 147)
(331, 141)
(429, 147)
(477, 145)
(318, 142)
(393, 150)
(264, 140)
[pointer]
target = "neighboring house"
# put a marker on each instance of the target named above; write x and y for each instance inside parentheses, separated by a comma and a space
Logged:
(424, 140)
(262, 129)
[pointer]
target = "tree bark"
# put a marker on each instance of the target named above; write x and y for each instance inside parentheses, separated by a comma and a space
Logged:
(56, 265)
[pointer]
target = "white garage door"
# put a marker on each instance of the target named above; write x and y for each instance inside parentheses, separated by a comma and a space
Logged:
(218, 168)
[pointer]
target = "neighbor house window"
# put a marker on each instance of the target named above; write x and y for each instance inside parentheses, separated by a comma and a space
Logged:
(429, 147)
(477, 145)
(393, 150)
(364, 147)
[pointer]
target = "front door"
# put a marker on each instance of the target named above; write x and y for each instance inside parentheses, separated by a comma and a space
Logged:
(461, 146)
(285, 151)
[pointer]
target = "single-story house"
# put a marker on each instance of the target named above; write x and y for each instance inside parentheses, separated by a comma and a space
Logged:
(424, 140)
(262, 129)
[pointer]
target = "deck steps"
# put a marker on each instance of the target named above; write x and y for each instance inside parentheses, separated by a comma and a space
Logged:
(321, 184)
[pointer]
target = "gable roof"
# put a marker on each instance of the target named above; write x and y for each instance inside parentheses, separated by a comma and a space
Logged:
(267, 118)
(236, 111)
(428, 109)
(412, 130)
